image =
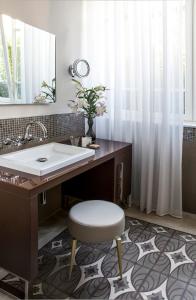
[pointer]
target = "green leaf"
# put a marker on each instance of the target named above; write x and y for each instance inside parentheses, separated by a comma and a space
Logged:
(77, 82)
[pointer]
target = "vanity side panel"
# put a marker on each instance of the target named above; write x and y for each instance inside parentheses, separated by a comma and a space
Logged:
(123, 173)
(52, 205)
(188, 177)
(18, 234)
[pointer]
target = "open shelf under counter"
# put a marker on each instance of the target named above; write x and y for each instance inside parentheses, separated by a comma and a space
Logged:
(51, 227)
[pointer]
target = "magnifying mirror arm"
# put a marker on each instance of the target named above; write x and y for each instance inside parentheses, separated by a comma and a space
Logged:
(71, 71)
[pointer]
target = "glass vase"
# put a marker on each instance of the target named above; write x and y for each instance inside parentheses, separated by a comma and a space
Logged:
(90, 131)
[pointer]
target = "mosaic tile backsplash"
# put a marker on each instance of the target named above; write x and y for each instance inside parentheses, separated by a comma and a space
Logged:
(57, 125)
(60, 125)
(190, 134)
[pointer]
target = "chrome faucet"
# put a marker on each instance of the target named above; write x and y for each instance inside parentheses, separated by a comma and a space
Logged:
(20, 140)
(29, 137)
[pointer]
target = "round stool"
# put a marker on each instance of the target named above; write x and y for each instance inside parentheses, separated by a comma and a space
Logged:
(96, 221)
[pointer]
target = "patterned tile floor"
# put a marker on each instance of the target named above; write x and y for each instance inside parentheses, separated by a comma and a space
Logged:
(159, 263)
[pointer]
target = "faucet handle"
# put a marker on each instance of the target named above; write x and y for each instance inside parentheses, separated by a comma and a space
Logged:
(19, 140)
(7, 141)
(41, 139)
(29, 137)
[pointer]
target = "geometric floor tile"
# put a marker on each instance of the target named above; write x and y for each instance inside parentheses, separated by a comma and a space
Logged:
(91, 271)
(175, 289)
(147, 247)
(157, 294)
(11, 279)
(188, 237)
(135, 222)
(121, 286)
(158, 263)
(57, 244)
(159, 229)
(63, 261)
(178, 258)
(124, 238)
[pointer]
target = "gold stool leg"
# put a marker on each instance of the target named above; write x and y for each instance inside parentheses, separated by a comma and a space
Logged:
(119, 252)
(73, 250)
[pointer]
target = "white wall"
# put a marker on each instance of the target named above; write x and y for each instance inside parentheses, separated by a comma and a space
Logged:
(63, 18)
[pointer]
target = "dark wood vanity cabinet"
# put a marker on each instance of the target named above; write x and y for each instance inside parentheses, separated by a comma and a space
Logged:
(122, 171)
(110, 180)
(105, 176)
(49, 202)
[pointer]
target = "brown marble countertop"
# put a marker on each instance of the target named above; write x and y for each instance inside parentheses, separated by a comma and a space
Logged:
(31, 185)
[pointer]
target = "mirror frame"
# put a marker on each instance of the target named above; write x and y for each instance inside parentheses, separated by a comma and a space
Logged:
(73, 71)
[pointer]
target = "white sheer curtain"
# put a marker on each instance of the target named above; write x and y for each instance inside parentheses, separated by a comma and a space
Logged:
(137, 49)
(38, 61)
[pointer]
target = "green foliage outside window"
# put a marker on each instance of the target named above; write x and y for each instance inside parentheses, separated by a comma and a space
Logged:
(16, 78)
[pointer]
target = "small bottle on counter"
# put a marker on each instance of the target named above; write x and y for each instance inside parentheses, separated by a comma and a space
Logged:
(87, 140)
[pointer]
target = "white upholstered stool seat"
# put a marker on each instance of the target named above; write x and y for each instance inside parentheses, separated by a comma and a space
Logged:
(96, 221)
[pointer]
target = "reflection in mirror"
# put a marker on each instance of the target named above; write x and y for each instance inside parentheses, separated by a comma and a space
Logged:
(79, 68)
(27, 63)
(82, 68)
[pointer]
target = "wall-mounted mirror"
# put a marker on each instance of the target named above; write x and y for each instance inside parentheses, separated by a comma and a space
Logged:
(27, 63)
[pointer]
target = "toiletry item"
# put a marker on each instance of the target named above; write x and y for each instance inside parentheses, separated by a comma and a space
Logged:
(74, 140)
(86, 141)
(94, 146)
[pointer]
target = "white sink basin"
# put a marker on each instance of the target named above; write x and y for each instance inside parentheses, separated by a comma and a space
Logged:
(44, 159)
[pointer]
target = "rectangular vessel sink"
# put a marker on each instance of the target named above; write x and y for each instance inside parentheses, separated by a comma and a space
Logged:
(44, 159)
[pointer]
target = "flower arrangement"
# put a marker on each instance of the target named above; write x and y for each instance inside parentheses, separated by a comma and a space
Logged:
(47, 94)
(90, 101)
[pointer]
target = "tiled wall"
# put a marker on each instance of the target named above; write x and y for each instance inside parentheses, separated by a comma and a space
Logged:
(190, 134)
(189, 170)
(57, 125)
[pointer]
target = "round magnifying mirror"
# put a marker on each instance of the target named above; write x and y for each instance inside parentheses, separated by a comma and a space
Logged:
(80, 68)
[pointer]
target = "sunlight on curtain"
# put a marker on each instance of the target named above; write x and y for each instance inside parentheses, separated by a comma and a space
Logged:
(39, 53)
(137, 49)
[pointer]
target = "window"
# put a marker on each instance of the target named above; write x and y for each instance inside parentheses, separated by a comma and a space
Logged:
(11, 40)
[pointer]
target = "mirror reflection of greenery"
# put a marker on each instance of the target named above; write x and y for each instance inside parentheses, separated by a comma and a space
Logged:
(3, 78)
(49, 91)
(15, 74)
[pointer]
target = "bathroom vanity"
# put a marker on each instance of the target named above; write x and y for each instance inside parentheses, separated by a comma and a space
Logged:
(107, 175)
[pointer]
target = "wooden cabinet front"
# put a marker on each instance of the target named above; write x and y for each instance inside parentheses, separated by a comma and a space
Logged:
(106, 176)
(108, 181)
